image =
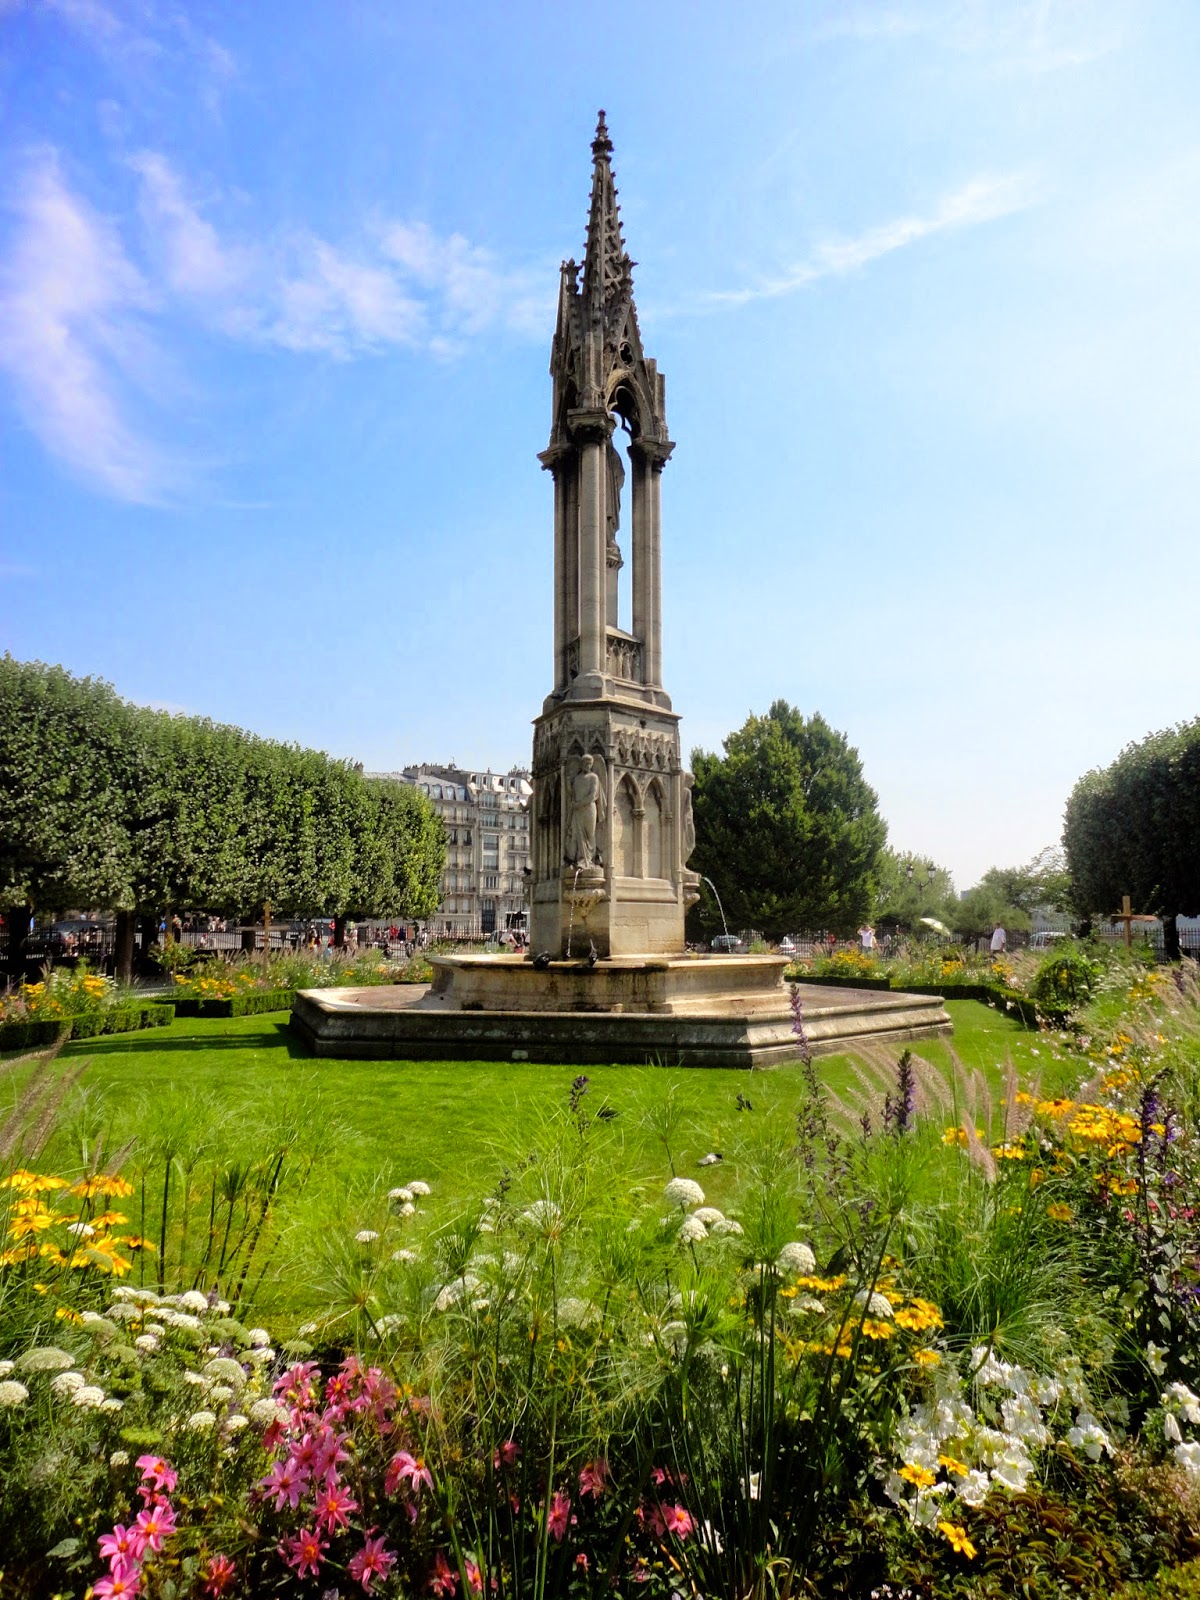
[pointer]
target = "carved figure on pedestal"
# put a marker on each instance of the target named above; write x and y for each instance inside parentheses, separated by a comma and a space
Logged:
(689, 820)
(612, 501)
(588, 811)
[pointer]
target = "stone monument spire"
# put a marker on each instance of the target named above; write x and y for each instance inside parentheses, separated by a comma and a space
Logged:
(612, 810)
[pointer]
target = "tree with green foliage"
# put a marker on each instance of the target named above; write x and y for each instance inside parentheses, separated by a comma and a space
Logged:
(978, 911)
(1132, 828)
(109, 806)
(1044, 881)
(399, 852)
(786, 826)
(905, 893)
(69, 774)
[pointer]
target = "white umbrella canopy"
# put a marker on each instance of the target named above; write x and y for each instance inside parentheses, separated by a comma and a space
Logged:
(932, 922)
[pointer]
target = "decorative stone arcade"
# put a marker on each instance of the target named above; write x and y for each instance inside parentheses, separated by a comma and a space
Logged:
(612, 826)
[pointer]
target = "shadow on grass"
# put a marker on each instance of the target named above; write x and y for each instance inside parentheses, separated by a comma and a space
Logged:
(271, 1036)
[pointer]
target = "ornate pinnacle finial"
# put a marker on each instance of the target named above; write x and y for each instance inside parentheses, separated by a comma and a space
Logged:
(601, 144)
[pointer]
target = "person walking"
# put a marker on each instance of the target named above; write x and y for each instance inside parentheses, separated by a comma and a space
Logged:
(866, 939)
(999, 941)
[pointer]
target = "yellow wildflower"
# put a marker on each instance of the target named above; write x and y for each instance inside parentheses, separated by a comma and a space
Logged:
(955, 1135)
(65, 1314)
(1055, 1108)
(920, 1476)
(872, 1328)
(32, 1182)
(959, 1542)
(1009, 1152)
(927, 1358)
(822, 1285)
(101, 1183)
(109, 1219)
(1058, 1211)
(918, 1316)
(951, 1464)
(30, 1217)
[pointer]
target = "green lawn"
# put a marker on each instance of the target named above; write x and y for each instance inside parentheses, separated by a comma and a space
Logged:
(217, 1088)
(448, 1121)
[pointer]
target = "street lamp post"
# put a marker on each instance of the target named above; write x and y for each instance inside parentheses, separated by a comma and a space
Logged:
(930, 875)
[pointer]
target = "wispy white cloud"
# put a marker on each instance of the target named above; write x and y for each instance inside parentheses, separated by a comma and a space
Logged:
(131, 39)
(983, 199)
(193, 257)
(72, 336)
(1030, 36)
(399, 283)
(83, 329)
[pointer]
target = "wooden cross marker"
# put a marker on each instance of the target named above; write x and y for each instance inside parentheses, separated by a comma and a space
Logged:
(1125, 915)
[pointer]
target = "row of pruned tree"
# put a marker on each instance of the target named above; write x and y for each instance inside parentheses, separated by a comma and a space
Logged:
(1134, 828)
(106, 805)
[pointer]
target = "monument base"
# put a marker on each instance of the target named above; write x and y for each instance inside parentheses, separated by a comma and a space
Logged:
(698, 1011)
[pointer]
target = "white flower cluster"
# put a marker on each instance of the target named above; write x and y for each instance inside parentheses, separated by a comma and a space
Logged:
(798, 1258)
(949, 1450)
(232, 1375)
(685, 1192)
(1178, 1401)
(455, 1292)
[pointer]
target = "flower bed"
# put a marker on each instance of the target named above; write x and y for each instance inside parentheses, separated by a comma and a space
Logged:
(925, 1340)
(250, 1003)
(1027, 1011)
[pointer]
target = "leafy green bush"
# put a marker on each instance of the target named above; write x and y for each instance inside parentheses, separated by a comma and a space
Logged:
(251, 1003)
(1066, 978)
(34, 1034)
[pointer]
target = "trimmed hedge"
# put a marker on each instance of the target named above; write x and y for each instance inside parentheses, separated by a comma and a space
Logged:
(996, 995)
(251, 1004)
(838, 981)
(38, 1032)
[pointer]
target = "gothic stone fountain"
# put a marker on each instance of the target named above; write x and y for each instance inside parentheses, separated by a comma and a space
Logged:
(612, 817)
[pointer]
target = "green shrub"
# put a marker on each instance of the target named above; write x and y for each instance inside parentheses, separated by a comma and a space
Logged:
(1172, 1583)
(1065, 979)
(36, 1034)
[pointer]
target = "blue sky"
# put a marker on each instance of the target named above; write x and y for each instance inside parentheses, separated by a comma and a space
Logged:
(276, 296)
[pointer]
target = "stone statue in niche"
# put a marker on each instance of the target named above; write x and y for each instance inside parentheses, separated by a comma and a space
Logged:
(689, 821)
(612, 503)
(587, 814)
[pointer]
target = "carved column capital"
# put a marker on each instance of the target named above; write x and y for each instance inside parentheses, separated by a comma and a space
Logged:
(553, 456)
(589, 426)
(654, 452)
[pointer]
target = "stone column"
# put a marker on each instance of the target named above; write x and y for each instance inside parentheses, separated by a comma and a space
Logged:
(560, 575)
(652, 646)
(559, 460)
(591, 429)
(641, 566)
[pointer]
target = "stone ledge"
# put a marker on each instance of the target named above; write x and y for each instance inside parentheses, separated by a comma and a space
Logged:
(368, 1024)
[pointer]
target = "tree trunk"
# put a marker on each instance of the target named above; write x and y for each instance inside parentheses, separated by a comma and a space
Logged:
(1171, 938)
(339, 932)
(123, 953)
(149, 927)
(17, 919)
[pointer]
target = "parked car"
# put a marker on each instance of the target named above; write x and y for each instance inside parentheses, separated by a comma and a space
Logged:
(1046, 937)
(787, 946)
(726, 944)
